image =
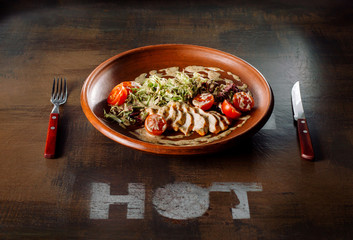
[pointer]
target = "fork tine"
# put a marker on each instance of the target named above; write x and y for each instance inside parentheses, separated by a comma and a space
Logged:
(57, 89)
(53, 90)
(65, 87)
(60, 94)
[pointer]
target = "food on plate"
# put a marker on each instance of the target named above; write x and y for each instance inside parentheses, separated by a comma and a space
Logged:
(155, 124)
(194, 99)
(120, 92)
(186, 119)
(243, 101)
(204, 101)
(118, 95)
(229, 110)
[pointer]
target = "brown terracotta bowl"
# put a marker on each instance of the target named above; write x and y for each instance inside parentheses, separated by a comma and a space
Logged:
(128, 65)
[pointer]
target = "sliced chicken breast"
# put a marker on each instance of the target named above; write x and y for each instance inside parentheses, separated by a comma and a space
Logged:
(188, 125)
(185, 118)
(200, 122)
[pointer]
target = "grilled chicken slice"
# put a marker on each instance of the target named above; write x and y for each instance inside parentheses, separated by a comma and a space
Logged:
(179, 118)
(200, 122)
(164, 112)
(172, 113)
(223, 122)
(212, 121)
(188, 125)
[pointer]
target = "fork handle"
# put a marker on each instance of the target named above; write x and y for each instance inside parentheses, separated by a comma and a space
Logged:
(50, 144)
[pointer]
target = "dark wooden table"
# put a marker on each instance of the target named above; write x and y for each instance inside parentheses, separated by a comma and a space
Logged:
(99, 189)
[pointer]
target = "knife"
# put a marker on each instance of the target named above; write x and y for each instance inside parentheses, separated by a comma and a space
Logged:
(306, 147)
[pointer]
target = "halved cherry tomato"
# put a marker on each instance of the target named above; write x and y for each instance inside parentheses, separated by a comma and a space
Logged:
(243, 101)
(118, 95)
(229, 110)
(204, 101)
(155, 124)
(120, 92)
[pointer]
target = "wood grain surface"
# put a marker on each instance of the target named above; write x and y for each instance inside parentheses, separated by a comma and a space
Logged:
(96, 188)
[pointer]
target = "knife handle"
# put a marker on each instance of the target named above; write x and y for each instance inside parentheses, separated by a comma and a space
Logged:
(306, 147)
(50, 144)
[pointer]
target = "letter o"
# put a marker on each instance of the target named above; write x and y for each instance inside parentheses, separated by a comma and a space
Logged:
(181, 201)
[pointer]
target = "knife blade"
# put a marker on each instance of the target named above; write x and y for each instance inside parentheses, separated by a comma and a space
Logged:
(306, 147)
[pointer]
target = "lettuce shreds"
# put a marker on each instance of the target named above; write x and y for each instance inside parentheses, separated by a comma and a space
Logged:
(158, 91)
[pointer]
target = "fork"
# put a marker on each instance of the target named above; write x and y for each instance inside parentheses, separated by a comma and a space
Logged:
(58, 97)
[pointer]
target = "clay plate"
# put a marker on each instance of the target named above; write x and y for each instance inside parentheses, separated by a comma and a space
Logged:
(128, 65)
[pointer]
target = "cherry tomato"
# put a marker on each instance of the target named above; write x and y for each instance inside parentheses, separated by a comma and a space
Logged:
(120, 92)
(229, 110)
(204, 101)
(243, 101)
(118, 95)
(155, 124)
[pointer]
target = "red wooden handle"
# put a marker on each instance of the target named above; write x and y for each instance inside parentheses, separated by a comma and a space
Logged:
(49, 151)
(306, 147)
